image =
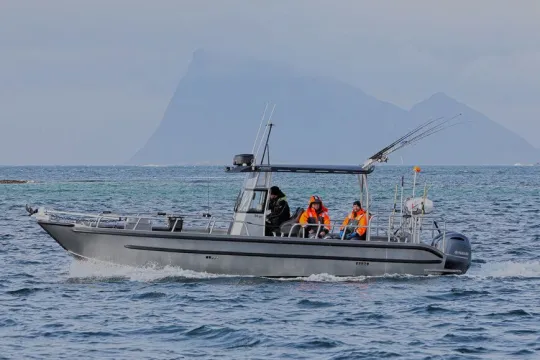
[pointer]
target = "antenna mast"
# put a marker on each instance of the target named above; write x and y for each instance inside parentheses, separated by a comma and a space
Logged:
(207, 214)
(266, 150)
(260, 126)
(269, 127)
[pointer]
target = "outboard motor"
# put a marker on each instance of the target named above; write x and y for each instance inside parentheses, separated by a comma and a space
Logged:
(457, 250)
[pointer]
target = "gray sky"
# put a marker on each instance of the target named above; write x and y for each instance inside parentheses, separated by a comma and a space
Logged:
(86, 82)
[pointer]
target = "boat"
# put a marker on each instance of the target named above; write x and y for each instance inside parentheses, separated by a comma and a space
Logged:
(409, 240)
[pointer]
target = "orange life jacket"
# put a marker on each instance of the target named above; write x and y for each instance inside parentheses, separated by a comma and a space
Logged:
(310, 216)
(359, 219)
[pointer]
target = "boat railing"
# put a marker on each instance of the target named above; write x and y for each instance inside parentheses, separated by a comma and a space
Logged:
(415, 228)
(412, 229)
(398, 228)
(140, 221)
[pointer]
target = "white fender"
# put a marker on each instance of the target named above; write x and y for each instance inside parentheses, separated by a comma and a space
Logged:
(414, 206)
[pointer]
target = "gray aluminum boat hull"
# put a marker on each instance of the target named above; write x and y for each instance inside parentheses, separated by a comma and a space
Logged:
(242, 255)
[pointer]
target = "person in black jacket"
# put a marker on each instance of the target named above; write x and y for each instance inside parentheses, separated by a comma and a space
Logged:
(279, 211)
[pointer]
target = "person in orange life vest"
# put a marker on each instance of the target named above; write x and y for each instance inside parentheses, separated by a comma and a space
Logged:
(316, 213)
(357, 217)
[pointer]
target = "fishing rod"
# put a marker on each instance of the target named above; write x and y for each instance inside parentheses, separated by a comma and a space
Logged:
(412, 132)
(438, 130)
(431, 131)
(423, 130)
(381, 156)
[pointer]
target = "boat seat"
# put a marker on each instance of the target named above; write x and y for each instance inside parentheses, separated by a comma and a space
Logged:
(286, 226)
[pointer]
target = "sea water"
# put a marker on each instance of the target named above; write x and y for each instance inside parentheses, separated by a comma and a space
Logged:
(52, 306)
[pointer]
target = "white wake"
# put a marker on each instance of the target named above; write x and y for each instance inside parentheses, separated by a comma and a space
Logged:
(505, 269)
(92, 269)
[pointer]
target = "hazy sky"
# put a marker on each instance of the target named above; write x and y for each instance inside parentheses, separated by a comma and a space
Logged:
(87, 82)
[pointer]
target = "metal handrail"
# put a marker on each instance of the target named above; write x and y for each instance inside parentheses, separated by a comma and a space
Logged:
(414, 225)
(374, 224)
(120, 216)
(94, 220)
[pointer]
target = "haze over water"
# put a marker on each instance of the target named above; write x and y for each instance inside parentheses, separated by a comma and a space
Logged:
(56, 307)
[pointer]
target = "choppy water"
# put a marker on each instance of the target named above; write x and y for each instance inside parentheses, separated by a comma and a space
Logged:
(55, 307)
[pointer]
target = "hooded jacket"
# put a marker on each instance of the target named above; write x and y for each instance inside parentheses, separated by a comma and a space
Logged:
(279, 210)
(310, 216)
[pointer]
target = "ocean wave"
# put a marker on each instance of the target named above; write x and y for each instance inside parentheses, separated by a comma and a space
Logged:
(366, 354)
(226, 336)
(456, 293)
(432, 309)
(508, 269)
(149, 295)
(110, 311)
(88, 181)
(317, 343)
(516, 312)
(95, 270)
(523, 352)
(90, 270)
(472, 350)
(314, 304)
(24, 291)
(7, 323)
(324, 277)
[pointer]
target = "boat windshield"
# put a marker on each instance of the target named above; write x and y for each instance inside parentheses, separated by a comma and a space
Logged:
(252, 201)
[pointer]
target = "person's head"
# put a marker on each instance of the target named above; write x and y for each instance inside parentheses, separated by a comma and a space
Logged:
(357, 206)
(275, 192)
(315, 202)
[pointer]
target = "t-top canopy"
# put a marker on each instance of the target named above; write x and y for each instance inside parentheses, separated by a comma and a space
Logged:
(313, 169)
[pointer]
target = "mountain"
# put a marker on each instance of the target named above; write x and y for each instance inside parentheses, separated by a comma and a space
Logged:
(217, 106)
(475, 140)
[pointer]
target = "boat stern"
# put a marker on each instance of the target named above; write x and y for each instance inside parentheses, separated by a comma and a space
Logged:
(457, 250)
